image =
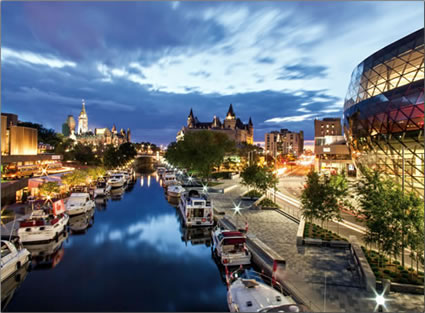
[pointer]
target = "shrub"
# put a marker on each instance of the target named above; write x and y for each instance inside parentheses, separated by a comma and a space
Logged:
(421, 273)
(404, 272)
(400, 268)
(403, 280)
(387, 271)
(411, 269)
(396, 262)
(393, 274)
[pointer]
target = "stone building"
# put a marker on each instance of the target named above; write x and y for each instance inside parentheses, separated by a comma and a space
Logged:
(104, 136)
(232, 126)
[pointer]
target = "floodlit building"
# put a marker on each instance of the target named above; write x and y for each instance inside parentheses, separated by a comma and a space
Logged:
(284, 142)
(384, 111)
(232, 126)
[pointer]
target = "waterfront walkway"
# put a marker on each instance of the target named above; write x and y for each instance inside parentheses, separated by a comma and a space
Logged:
(325, 277)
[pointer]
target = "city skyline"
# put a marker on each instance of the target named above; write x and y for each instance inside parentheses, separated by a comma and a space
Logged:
(157, 60)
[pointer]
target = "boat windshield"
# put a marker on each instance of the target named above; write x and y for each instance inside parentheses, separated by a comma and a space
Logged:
(198, 212)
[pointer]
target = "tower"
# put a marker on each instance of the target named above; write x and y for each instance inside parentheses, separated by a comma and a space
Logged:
(190, 119)
(83, 123)
(128, 135)
(230, 120)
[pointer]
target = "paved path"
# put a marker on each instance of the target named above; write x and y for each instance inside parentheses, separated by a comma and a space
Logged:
(307, 268)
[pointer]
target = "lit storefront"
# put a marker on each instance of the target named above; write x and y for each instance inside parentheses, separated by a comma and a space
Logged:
(384, 112)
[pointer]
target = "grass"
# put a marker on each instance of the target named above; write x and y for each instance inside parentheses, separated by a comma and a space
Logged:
(392, 271)
(253, 193)
(316, 232)
(267, 203)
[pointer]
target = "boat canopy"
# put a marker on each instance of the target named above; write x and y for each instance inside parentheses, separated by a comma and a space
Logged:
(233, 241)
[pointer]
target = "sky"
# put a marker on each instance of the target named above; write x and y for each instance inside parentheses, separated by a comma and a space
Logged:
(144, 65)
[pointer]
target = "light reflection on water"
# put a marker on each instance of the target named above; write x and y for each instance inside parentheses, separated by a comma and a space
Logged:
(136, 256)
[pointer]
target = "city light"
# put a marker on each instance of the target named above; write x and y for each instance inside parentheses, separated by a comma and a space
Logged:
(237, 209)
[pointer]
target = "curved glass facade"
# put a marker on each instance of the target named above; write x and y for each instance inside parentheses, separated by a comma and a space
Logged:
(384, 111)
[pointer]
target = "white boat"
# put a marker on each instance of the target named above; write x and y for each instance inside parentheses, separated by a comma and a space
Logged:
(102, 188)
(169, 179)
(79, 203)
(13, 257)
(160, 170)
(250, 295)
(175, 190)
(196, 209)
(116, 180)
(230, 247)
(42, 227)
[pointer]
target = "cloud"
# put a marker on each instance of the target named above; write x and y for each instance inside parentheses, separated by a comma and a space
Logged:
(296, 118)
(303, 71)
(9, 55)
(144, 64)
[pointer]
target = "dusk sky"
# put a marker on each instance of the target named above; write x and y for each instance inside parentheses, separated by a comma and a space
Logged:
(143, 65)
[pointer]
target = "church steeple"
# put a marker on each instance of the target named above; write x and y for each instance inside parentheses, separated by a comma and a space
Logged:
(250, 122)
(230, 114)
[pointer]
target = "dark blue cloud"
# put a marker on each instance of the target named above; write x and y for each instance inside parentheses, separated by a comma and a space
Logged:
(116, 34)
(303, 71)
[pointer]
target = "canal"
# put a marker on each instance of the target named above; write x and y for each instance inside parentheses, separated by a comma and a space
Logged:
(130, 254)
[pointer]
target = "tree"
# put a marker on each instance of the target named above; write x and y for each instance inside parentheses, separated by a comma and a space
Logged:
(127, 150)
(75, 178)
(95, 172)
(323, 197)
(248, 176)
(260, 178)
(84, 154)
(111, 157)
(49, 189)
(200, 151)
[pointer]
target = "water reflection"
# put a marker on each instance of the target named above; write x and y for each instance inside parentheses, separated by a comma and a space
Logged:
(47, 255)
(138, 244)
(117, 194)
(79, 224)
(12, 283)
(100, 203)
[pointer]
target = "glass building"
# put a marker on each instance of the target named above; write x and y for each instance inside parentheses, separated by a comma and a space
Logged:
(384, 112)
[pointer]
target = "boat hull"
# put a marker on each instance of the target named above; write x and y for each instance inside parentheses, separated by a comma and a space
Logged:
(47, 234)
(12, 266)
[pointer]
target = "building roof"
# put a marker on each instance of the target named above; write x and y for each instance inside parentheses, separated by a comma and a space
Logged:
(230, 112)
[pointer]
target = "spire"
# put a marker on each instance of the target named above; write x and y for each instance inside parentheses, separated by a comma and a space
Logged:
(191, 114)
(230, 114)
(83, 110)
(250, 122)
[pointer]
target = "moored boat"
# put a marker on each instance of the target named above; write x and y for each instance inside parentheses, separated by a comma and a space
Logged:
(169, 179)
(175, 190)
(79, 203)
(13, 257)
(230, 247)
(102, 188)
(254, 295)
(42, 226)
(196, 209)
(116, 180)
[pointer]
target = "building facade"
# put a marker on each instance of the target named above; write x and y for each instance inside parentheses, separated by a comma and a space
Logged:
(284, 142)
(232, 126)
(384, 112)
(329, 126)
(17, 140)
(100, 135)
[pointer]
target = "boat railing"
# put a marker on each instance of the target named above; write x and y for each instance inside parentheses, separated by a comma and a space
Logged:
(266, 279)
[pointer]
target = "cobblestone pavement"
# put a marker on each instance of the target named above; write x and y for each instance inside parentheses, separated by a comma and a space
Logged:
(307, 268)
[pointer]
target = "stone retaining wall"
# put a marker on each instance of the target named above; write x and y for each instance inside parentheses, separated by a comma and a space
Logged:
(362, 264)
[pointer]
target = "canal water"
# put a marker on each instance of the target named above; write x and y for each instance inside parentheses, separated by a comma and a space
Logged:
(130, 254)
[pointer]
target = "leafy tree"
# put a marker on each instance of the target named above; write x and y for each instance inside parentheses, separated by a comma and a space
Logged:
(200, 151)
(75, 178)
(260, 178)
(323, 197)
(127, 150)
(95, 172)
(248, 176)
(112, 157)
(84, 154)
(49, 189)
